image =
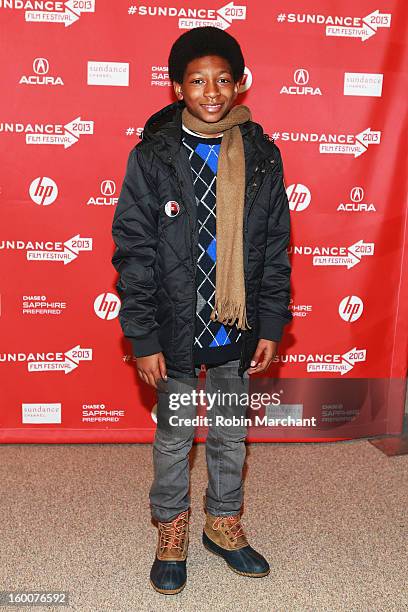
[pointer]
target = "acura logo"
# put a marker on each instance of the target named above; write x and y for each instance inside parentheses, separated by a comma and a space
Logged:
(357, 194)
(108, 188)
(301, 76)
(41, 65)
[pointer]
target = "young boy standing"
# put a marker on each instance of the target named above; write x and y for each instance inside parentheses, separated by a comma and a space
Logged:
(201, 230)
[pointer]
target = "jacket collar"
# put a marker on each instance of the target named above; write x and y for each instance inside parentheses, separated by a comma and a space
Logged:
(164, 131)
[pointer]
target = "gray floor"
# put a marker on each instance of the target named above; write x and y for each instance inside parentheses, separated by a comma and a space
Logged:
(332, 519)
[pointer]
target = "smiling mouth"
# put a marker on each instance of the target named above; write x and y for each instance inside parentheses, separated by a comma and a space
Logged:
(212, 107)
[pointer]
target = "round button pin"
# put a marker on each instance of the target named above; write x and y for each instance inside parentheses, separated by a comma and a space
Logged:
(172, 208)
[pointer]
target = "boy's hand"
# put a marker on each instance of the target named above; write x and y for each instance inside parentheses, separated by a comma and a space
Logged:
(152, 368)
(265, 352)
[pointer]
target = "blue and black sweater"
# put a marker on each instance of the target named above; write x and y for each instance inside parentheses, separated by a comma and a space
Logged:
(214, 342)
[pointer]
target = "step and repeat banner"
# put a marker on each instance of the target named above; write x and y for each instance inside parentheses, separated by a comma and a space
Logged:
(328, 81)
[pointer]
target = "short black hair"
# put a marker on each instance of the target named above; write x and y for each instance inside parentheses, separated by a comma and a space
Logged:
(198, 42)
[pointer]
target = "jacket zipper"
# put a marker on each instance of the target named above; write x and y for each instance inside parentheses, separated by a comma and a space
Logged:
(252, 183)
(249, 206)
(194, 309)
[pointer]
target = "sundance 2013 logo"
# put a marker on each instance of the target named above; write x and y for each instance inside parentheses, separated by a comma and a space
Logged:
(336, 255)
(327, 362)
(50, 361)
(49, 133)
(343, 144)
(51, 11)
(343, 26)
(48, 250)
(193, 17)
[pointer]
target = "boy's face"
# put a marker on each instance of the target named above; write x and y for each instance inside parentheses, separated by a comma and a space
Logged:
(208, 88)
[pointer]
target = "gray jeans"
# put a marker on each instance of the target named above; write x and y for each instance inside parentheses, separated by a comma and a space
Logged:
(225, 444)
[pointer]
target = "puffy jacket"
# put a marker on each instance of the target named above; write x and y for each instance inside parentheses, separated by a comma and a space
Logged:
(156, 254)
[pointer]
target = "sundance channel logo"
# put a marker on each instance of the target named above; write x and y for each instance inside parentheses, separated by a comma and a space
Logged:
(39, 413)
(112, 74)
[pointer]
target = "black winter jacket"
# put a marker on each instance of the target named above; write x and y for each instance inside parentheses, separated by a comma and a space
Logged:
(156, 254)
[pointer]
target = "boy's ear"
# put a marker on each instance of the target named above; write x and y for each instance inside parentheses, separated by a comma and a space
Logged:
(178, 90)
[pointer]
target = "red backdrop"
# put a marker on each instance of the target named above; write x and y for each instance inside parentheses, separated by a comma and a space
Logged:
(327, 80)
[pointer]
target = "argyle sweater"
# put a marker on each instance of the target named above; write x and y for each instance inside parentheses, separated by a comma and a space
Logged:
(214, 342)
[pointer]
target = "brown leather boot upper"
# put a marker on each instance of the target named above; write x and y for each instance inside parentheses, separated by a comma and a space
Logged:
(226, 531)
(173, 539)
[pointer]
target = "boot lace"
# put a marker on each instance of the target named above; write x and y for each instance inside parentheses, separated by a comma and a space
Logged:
(172, 534)
(234, 528)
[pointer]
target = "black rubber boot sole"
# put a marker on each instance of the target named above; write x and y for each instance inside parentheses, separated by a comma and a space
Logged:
(217, 550)
(167, 591)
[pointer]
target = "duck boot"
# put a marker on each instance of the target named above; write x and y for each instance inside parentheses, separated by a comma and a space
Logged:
(224, 536)
(169, 573)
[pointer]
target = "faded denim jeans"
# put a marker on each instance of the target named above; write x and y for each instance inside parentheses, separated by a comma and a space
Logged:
(225, 444)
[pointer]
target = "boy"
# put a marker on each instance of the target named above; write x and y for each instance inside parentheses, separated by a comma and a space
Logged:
(201, 231)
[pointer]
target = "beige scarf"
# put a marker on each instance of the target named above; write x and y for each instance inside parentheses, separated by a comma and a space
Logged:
(230, 302)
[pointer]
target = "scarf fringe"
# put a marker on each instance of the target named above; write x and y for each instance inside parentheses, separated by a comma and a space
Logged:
(228, 312)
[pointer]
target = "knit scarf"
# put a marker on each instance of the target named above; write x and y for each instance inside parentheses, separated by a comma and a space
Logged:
(230, 302)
